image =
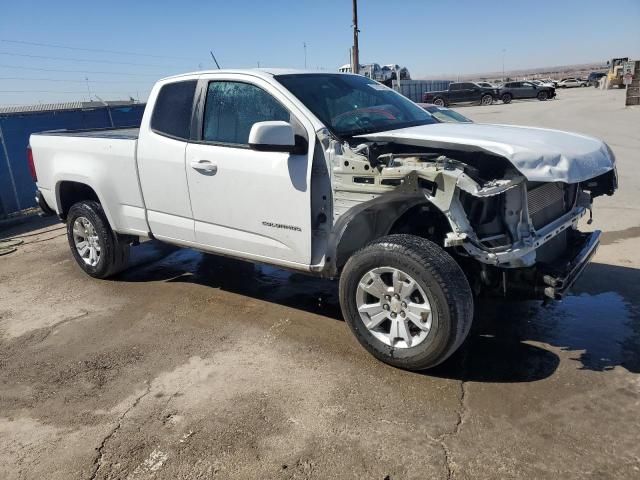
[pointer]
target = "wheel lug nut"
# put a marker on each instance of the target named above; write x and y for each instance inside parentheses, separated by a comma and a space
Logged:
(404, 304)
(385, 306)
(393, 315)
(397, 297)
(402, 314)
(387, 297)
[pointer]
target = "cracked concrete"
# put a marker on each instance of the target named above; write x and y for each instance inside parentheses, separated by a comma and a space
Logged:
(194, 367)
(97, 464)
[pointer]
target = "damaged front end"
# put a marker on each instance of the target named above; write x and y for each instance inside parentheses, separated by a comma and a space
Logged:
(512, 236)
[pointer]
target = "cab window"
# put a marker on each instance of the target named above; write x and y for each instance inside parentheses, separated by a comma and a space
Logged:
(172, 110)
(232, 108)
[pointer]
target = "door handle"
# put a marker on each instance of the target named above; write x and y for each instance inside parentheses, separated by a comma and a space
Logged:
(204, 166)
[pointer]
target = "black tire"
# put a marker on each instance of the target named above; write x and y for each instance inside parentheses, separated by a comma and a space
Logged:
(114, 253)
(436, 272)
(486, 100)
(440, 102)
(542, 96)
(506, 98)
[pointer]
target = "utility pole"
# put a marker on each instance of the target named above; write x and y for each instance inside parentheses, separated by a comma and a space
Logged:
(503, 50)
(355, 56)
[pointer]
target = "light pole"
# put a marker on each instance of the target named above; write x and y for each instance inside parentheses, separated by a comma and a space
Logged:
(304, 45)
(503, 51)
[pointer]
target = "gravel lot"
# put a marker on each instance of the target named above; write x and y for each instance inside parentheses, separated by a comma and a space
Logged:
(190, 366)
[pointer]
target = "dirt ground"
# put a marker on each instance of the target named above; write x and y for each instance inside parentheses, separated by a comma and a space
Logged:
(190, 366)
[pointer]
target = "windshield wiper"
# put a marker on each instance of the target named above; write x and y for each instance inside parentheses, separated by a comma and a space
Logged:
(360, 131)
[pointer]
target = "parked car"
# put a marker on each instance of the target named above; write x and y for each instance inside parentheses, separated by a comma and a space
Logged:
(485, 84)
(302, 171)
(462, 92)
(549, 81)
(444, 114)
(522, 90)
(594, 78)
(572, 82)
(541, 83)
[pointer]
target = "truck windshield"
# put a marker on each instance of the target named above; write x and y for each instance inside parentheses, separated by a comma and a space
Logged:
(353, 105)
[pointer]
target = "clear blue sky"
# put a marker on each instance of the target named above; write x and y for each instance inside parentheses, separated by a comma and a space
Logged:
(429, 37)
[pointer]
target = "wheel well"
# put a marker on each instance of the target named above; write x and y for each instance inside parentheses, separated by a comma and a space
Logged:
(423, 221)
(70, 193)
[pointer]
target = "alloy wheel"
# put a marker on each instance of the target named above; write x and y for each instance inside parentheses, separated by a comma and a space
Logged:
(394, 307)
(86, 241)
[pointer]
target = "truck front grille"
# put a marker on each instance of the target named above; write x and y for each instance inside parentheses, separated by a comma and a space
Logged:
(546, 203)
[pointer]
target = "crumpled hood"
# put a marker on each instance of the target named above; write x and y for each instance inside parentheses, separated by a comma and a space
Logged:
(541, 155)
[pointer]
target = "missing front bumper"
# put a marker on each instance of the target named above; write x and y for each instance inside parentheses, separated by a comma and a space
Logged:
(559, 278)
(549, 279)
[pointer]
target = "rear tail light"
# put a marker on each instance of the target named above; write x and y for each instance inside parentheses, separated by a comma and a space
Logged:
(31, 165)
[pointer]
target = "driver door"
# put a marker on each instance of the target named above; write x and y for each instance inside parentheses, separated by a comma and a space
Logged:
(245, 201)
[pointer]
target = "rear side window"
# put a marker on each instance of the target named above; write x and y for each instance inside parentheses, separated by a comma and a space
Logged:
(172, 111)
(232, 108)
(455, 86)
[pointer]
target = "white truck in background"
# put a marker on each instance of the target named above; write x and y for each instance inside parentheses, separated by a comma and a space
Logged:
(338, 176)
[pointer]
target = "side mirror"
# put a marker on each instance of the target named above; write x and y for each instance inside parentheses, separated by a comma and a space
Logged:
(273, 136)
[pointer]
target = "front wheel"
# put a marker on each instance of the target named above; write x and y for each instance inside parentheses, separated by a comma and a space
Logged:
(542, 96)
(506, 98)
(407, 301)
(95, 247)
(486, 100)
(439, 102)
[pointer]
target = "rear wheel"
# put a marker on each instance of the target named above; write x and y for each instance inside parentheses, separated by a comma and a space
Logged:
(506, 98)
(407, 301)
(95, 247)
(543, 96)
(486, 100)
(439, 102)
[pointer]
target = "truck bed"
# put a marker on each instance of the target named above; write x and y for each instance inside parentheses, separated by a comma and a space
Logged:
(102, 159)
(111, 133)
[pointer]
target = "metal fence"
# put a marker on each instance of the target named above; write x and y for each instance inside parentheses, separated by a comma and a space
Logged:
(415, 89)
(16, 186)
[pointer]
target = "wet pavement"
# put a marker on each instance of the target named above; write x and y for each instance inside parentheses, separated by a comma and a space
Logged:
(193, 366)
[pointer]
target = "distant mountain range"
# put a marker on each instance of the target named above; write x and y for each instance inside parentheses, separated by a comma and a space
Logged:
(581, 69)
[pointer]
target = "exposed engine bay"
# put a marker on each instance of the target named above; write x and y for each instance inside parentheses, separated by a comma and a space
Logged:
(506, 229)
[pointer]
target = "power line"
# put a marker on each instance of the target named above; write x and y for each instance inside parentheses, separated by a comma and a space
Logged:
(64, 80)
(81, 71)
(83, 60)
(100, 50)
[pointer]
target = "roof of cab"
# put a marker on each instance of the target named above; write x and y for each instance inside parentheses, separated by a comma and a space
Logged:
(261, 72)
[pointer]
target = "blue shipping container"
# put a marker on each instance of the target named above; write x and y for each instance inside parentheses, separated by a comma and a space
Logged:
(16, 186)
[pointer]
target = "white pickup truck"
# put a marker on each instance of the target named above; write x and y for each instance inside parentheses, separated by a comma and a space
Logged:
(338, 176)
